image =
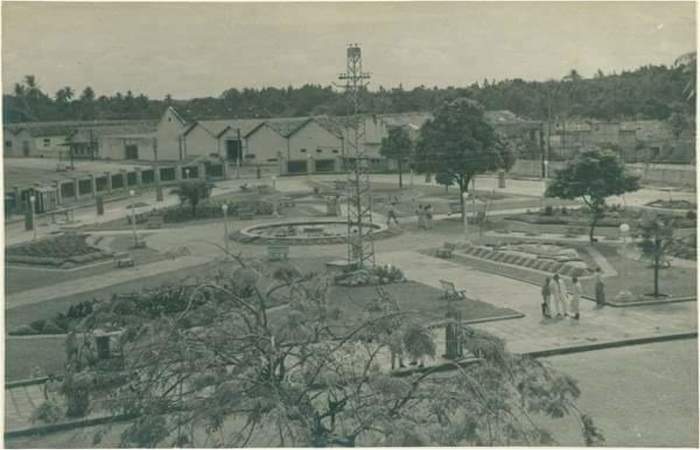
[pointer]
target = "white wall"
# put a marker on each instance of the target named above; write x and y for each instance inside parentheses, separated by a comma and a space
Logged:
(200, 142)
(265, 143)
(53, 149)
(168, 133)
(318, 142)
(114, 148)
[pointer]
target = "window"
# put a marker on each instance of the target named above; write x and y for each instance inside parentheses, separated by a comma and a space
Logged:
(272, 160)
(8, 144)
(335, 151)
(318, 150)
(47, 142)
(303, 150)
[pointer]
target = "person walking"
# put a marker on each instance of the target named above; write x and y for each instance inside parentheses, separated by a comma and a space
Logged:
(391, 214)
(429, 216)
(563, 297)
(396, 349)
(599, 288)
(556, 295)
(577, 292)
(419, 217)
(546, 298)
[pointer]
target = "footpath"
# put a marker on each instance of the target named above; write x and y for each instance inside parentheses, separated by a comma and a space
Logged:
(533, 334)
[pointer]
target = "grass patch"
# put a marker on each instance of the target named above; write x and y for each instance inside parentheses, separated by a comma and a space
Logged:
(23, 355)
(425, 301)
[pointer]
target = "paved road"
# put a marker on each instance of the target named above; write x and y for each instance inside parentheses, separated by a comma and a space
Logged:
(641, 396)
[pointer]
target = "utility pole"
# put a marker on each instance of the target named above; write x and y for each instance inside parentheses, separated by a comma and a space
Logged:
(360, 245)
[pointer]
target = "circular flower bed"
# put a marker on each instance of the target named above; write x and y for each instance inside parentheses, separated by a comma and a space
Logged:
(323, 232)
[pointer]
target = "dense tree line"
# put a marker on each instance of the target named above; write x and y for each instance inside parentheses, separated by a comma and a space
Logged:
(649, 92)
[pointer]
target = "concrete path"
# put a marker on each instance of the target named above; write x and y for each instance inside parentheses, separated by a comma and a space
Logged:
(532, 333)
(104, 280)
(20, 403)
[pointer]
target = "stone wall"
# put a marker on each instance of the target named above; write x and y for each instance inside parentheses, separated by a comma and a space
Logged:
(681, 175)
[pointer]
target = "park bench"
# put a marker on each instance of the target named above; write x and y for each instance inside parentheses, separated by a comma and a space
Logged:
(126, 261)
(155, 221)
(445, 251)
(449, 292)
(286, 202)
(277, 252)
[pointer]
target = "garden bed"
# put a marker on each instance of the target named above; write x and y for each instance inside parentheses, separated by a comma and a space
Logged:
(64, 251)
(673, 204)
(582, 218)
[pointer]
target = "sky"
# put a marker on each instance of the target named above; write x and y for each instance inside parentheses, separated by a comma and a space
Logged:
(201, 49)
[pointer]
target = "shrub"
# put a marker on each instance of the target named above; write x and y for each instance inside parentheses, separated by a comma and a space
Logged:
(52, 327)
(548, 211)
(24, 330)
(691, 215)
(47, 412)
(38, 325)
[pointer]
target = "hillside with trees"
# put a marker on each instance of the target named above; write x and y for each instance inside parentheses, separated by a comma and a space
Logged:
(649, 92)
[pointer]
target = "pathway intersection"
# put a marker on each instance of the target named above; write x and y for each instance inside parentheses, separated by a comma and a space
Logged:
(529, 334)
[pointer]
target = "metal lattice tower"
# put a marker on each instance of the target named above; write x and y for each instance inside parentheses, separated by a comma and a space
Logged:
(360, 246)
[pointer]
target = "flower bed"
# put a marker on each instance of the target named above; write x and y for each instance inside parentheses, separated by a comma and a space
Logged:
(614, 217)
(672, 204)
(212, 210)
(65, 251)
(374, 276)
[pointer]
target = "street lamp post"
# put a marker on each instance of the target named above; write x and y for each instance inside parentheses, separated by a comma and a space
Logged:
(224, 209)
(187, 174)
(465, 198)
(32, 203)
(133, 217)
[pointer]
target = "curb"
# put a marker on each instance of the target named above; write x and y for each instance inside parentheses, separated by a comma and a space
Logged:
(615, 304)
(441, 323)
(585, 297)
(54, 427)
(444, 367)
(610, 344)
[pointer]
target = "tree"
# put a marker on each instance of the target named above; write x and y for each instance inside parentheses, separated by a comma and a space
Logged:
(657, 237)
(593, 176)
(397, 145)
(64, 95)
(209, 364)
(457, 143)
(192, 191)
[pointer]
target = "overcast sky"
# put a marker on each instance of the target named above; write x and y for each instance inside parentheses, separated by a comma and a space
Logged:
(189, 50)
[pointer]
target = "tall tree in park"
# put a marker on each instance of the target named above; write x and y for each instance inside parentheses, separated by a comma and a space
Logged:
(192, 192)
(593, 176)
(212, 364)
(398, 146)
(458, 144)
(657, 237)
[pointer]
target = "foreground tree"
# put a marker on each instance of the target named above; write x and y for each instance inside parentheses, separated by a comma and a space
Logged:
(210, 364)
(193, 192)
(398, 146)
(657, 238)
(593, 176)
(458, 144)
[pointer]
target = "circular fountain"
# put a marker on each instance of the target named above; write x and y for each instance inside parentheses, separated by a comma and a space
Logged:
(317, 232)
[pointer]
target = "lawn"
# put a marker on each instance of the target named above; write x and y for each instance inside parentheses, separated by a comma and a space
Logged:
(424, 303)
(22, 355)
(46, 310)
